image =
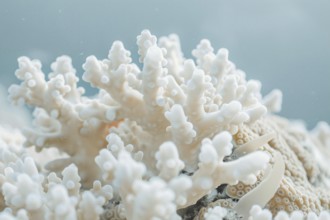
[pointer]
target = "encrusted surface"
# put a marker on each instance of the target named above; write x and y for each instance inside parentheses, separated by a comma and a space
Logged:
(302, 187)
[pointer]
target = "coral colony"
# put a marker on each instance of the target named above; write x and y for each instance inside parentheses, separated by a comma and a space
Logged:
(175, 139)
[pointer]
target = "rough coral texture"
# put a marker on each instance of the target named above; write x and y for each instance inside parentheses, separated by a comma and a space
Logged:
(173, 139)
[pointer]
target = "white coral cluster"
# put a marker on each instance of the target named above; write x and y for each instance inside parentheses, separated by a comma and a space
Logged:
(154, 142)
(257, 213)
(30, 194)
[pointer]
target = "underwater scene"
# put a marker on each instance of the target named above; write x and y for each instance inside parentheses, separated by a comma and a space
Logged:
(164, 110)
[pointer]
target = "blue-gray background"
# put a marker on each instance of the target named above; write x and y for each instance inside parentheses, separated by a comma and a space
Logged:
(284, 44)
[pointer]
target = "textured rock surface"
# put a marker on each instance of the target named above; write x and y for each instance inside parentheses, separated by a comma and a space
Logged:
(305, 185)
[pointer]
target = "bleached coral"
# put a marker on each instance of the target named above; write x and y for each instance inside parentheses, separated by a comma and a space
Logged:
(57, 122)
(257, 213)
(174, 139)
(30, 194)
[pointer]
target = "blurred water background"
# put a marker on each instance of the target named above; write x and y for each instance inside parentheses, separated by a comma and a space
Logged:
(284, 44)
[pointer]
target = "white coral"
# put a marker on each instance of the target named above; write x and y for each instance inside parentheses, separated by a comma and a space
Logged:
(152, 141)
(257, 213)
(57, 123)
(60, 205)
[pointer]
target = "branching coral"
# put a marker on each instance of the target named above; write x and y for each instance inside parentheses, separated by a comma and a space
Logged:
(57, 122)
(173, 139)
(30, 194)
